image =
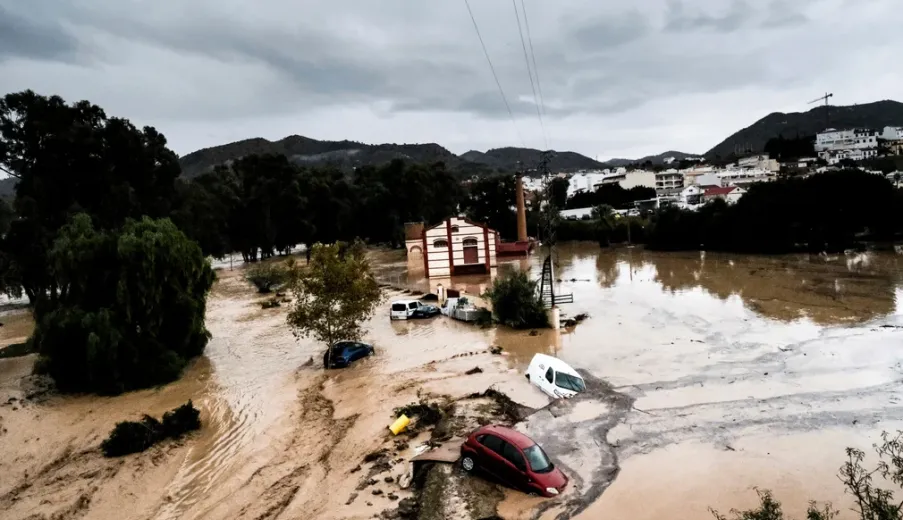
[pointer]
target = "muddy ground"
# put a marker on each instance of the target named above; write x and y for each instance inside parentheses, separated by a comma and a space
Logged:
(709, 375)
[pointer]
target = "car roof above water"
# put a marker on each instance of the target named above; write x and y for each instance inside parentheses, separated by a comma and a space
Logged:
(556, 364)
(404, 302)
(513, 436)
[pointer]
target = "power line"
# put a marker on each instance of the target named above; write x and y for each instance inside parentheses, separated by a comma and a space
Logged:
(530, 73)
(494, 75)
(542, 103)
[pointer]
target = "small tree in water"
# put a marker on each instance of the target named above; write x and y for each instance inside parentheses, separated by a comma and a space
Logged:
(268, 276)
(334, 295)
(516, 302)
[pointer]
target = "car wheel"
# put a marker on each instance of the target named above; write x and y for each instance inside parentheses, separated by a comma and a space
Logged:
(468, 463)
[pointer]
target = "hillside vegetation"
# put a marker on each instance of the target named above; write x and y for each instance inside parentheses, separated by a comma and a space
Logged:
(875, 115)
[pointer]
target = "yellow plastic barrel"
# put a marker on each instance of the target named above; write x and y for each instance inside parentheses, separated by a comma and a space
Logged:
(400, 424)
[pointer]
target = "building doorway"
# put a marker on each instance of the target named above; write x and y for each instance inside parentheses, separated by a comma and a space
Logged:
(471, 251)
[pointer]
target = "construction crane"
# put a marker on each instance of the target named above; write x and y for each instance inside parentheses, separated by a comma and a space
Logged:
(825, 98)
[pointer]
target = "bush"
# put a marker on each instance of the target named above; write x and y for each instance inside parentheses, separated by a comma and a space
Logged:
(770, 509)
(868, 487)
(134, 437)
(516, 302)
(130, 309)
(267, 276)
(182, 420)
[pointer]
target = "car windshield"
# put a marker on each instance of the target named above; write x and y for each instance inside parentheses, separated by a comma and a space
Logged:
(538, 460)
(569, 382)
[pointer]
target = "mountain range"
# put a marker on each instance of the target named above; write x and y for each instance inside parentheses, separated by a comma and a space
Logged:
(349, 154)
(752, 139)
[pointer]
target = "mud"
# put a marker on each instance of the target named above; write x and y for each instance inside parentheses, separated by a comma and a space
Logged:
(710, 374)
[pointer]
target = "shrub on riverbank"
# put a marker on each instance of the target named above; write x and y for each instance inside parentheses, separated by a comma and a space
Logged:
(873, 501)
(136, 436)
(516, 302)
(130, 312)
(268, 276)
(610, 231)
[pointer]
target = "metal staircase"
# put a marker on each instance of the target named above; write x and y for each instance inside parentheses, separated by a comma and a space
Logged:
(547, 286)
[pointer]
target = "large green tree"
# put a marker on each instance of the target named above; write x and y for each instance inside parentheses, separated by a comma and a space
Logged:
(130, 306)
(492, 201)
(334, 294)
(398, 192)
(71, 158)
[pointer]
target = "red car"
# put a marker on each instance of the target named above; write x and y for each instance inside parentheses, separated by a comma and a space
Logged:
(513, 458)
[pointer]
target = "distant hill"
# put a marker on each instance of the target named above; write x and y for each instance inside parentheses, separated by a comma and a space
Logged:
(303, 150)
(752, 139)
(654, 159)
(348, 154)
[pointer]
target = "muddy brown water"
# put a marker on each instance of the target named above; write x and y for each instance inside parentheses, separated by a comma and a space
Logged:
(739, 371)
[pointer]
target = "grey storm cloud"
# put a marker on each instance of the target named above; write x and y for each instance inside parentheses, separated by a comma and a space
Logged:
(216, 61)
(681, 18)
(23, 38)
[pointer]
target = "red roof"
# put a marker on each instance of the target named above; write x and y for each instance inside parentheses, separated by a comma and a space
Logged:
(719, 191)
(514, 437)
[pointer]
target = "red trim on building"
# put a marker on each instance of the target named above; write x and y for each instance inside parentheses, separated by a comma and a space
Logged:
(711, 192)
(451, 258)
(426, 258)
(486, 247)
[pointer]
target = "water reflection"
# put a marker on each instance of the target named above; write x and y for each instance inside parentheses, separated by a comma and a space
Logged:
(827, 290)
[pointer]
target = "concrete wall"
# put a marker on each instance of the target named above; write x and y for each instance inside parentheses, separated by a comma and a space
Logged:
(638, 178)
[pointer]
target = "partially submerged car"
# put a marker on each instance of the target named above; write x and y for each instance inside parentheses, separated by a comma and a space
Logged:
(554, 377)
(513, 458)
(343, 353)
(411, 309)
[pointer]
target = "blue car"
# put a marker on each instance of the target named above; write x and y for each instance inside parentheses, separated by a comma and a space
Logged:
(344, 353)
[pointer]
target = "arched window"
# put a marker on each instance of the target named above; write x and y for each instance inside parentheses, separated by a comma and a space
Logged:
(454, 229)
(441, 243)
(470, 242)
(417, 249)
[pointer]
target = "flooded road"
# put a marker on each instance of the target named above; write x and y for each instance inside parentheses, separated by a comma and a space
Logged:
(716, 374)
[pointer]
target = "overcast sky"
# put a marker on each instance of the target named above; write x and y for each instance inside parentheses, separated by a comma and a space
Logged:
(619, 79)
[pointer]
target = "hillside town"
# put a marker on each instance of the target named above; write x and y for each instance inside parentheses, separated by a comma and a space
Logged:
(701, 182)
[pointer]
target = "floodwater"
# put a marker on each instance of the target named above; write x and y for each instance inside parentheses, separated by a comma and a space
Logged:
(711, 375)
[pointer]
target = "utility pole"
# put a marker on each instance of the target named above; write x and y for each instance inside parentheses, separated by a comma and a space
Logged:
(825, 98)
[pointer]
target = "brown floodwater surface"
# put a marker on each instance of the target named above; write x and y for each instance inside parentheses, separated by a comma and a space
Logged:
(708, 375)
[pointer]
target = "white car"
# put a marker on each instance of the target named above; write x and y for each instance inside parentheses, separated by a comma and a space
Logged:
(554, 377)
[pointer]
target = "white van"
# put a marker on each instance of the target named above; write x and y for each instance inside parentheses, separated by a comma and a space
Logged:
(554, 377)
(411, 309)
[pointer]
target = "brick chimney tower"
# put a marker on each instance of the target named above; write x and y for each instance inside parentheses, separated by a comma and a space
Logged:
(521, 209)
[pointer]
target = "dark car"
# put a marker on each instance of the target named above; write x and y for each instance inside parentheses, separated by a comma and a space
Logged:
(513, 458)
(344, 353)
(411, 309)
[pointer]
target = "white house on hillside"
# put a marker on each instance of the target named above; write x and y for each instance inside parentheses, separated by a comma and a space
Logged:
(857, 144)
(669, 182)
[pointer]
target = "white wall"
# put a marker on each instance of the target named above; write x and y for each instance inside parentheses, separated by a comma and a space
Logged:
(437, 257)
(638, 178)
